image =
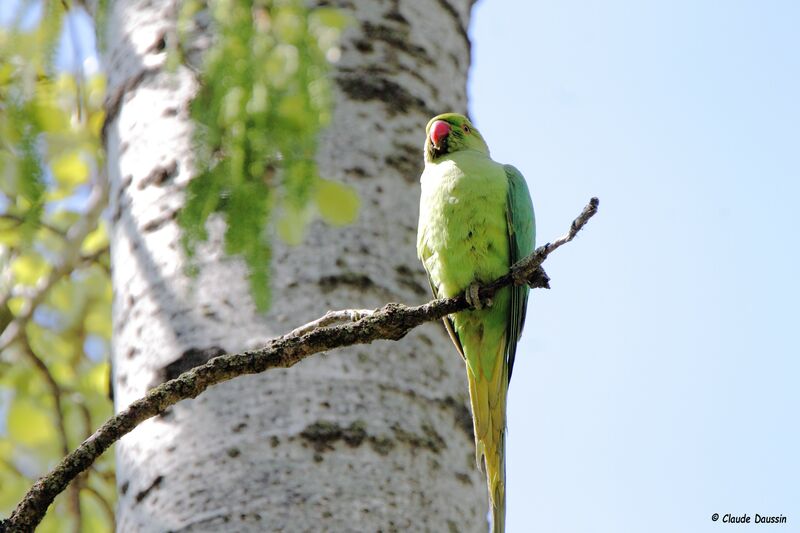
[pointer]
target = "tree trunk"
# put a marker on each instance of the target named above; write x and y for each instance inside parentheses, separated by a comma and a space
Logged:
(374, 438)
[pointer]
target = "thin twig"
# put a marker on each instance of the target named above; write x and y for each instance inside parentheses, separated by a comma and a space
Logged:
(32, 293)
(529, 270)
(57, 393)
(21, 220)
(330, 318)
(101, 500)
(391, 322)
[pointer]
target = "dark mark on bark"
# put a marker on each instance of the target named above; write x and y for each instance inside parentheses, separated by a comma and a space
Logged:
(344, 4)
(464, 421)
(425, 339)
(463, 478)
(355, 434)
(363, 87)
(382, 444)
(113, 102)
(409, 279)
(159, 45)
(448, 7)
(413, 73)
(322, 435)
(189, 359)
(159, 221)
(396, 38)
(141, 495)
(395, 15)
(429, 439)
(461, 413)
(353, 279)
(363, 46)
(454, 59)
(356, 171)
(159, 175)
(405, 158)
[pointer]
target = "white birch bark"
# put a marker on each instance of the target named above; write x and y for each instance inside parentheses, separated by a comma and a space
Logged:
(375, 438)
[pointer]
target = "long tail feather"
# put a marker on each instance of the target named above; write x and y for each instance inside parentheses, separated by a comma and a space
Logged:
(488, 400)
(499, 496)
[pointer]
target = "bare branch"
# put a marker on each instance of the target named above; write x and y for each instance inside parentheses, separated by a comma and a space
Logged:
(391, 322)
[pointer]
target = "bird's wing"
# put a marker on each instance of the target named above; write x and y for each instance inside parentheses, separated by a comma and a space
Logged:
(448, 322)
(521, 238)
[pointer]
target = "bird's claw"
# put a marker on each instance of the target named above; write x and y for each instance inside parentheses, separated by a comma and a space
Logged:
(473, 297)
(518, 276)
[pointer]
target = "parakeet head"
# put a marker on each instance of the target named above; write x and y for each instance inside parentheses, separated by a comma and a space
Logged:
(449, 133)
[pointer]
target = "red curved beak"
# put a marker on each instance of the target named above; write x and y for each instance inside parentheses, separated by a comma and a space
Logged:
(439, 130)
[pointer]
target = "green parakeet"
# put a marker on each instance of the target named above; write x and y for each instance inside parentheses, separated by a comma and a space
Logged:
(476, 220)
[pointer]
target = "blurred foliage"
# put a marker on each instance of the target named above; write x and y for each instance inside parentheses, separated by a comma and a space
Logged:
(264, 99)
(55, 288)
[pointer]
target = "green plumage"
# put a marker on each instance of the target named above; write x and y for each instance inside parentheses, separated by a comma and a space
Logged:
(476, 220)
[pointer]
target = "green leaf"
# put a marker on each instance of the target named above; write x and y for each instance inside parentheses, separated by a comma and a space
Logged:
(69, 297)
(94, 517)
(16, 304)
(10, 236)
(29, 423)
(14, 486)
(337, 203)
(52, 346)
(96, 379)
(328, 18)
(29, 268)
(63, 219)
(98, 320)
(54, 522)
(292, 223)
(70, 169)
(258, 259)
(51, 119)
(62, 370)
(96, 240)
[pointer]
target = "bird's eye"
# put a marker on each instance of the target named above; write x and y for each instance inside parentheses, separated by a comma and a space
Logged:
(466, 128)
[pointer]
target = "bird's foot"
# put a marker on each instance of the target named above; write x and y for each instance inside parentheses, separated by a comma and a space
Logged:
(518, 276)
(473, 297)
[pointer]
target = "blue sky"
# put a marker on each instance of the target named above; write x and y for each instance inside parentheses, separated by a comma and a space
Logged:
(657, 382)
